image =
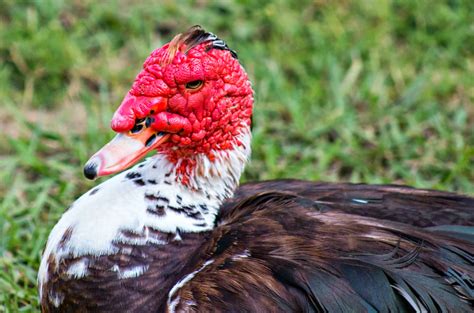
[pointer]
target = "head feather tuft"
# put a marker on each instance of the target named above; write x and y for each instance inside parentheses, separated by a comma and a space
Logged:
(193, 37)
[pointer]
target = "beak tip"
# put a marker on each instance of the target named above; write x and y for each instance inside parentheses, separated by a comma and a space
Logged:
(90, 170)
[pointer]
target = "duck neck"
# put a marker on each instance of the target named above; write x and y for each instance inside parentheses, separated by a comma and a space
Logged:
(185, 195)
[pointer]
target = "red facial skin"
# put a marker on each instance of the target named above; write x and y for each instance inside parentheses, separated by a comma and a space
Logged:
(202, 120)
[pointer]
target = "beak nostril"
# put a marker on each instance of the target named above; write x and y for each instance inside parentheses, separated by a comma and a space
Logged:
(136, 129)
(141, 123)
(148, 121)
(150, 140)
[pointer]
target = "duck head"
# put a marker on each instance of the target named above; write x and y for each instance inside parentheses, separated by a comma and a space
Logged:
(191, 98)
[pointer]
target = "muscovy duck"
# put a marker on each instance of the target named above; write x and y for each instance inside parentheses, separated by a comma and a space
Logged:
(175, 233)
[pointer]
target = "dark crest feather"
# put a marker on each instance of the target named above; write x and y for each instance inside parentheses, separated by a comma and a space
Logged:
(197, 35)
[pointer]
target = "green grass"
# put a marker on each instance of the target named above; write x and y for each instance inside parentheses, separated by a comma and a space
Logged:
(378, 91)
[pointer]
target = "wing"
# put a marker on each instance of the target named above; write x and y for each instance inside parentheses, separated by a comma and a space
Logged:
(275, 253)
(136, 278)
(418, 207)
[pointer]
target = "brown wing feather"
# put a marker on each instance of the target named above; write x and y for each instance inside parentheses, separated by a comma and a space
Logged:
(418, 207)
(275, 253)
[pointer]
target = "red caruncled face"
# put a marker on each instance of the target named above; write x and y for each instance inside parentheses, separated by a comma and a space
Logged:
(192, 97)
(201, 96)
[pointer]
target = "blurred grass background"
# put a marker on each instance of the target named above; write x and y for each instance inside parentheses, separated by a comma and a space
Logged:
(371, 91)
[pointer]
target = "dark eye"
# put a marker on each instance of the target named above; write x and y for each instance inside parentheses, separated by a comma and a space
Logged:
(195, 84)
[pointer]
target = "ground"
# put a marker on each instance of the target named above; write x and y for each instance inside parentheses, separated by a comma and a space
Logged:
(365, 91)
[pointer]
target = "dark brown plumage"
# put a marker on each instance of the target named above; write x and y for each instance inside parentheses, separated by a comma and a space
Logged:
(417, 207)
(301, 256)
(295, 246)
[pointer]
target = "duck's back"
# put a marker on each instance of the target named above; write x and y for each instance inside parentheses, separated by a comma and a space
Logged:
(417, 207)
(280, 252)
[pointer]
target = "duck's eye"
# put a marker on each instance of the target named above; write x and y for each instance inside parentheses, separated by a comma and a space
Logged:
(195, 84)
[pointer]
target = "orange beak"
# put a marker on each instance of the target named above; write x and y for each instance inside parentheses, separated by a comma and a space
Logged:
(124, 150)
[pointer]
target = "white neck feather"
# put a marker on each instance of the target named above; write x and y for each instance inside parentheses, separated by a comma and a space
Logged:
(148, 197)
